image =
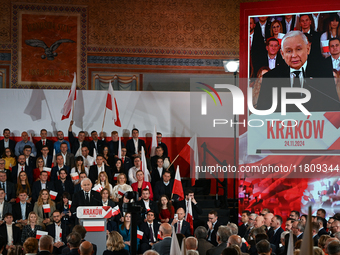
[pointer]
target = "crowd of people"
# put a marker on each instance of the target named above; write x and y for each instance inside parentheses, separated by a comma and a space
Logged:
(322, 36)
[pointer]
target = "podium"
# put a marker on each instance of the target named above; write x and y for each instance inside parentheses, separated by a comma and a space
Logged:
(93, 219)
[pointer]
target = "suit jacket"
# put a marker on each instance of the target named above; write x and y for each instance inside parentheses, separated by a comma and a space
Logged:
(113, 147)
(17, 215)
(242, 230)
(10, 191)
(146, 230)
(159, 189)
(315, 50)
(28, 170)
(55, 173)
(185, 228)
(165, 148)
(66, 250)
(204, 246)
(155, 177)
(263, 61)
(284, 26)
(127, 163)
(39, 145)
(7, 208)
(58, 187)
(2, 146)
(213, 233)
(322, 232)
(100, 145)
(37, 187)
(163, 247)
(144, 185)
(93, 173)
(276, 238)
(32, 162)
(217, 250)
(130, 147)
(153, 206)
(153, 161)
(74, 142)
(323, 95)
(65, 231)
(79, 200)
(48, 161)
(316, 240)
(196, 210)
(16, 234)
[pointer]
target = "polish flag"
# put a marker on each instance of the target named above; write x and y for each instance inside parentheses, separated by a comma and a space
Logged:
(119, 149)
(54, 159)
(47, 208)
(159, 235)
(53, 194)
(72, 96)
(115, 211)
(144, 167)
(140, 234)
(40, 234)
(188, 217)
(325, 46)
(174, 247)
(94, 156)
(279, 37)
(10, 167)
(74, 176)
(111, 104)
(94, 226)
(115, 177)
(97, 188)
(47, 169)
(191, 148)
(69, 204)
(121, 192)
(153, 142)
(178, 188)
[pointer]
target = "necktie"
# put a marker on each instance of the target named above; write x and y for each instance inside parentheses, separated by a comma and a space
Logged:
(44, 142)
(3, 185)
(151, 234)
(178, 227)
(87, 198)
(297, 83)
(22, 168)
(123, 160)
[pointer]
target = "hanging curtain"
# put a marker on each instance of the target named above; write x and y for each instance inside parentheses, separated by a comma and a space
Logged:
(118, 82)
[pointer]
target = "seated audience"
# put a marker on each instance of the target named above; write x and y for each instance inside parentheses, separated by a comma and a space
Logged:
(55, 229)
(46, 156)
(124, 230)
(78, 169)
(201, 234)
(9, 158)
(133, 170)
(19, 147)
(150, 229)
(115, 244)
(222, 236)
(9, 188)
(118, 168)
(163, 187)
(77, 187)
(44, 214)
(40, 166)
(64, 207)
(103, 181)
(67, 155)
(63, 185)
(73, 242)
(21, 167)
(31, 228)
(22, 209)
(57, 144)
(165, 209)
(23, 184)
(147, 204)
(106, 201)
(180, 225)
(40, 185)
(163, 246)
(6, 142)
(108, 159)
(60, 165)
(12, 236)
(6, 208)
(45, 245)
(141, 184)
(98, 168)
(120, 188)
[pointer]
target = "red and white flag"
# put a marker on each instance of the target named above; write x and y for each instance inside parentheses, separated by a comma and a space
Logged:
(188, 217)
(191, 147)
(111, 104)
(121, 192)
(53, 194)
(325, 46)
(10, 166)
(72, 96)
(74, 176)
(280, 37)
(140, 234)
(94, 226)
(119, 149)
(144, 167)
(153, 142)
(40, 234)
(94, 156)
(178, 188)
(54, 159)
(159, 235)
(97, 188)
(47, 208)
(47, 169)
(115, 177)
(69, 204)
(115, 211)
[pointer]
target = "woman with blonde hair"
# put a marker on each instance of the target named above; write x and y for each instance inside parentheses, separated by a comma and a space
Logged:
(44, 199)
(115, 244)
(276, 28)
(30, 230)
(121, 185)
(104, 182)
(23, 184)
(30, 246)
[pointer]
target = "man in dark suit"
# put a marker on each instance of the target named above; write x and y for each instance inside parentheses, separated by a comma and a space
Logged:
(157, 172)
(126, 161)
(86, 196)
(96, 144)
(45, 245)
(134, 145)
(163, 247)
(55, 229)
(315, 229)
(16, 233)
(150, 229)
(100, 167)
(41, 184)
(302, 74)
(60, 165)
(298, 228)
(180, 225)
(321, 230)
(222, 236)
(44, 141)
(276, 225)
(212, 227)
(245, 223)
(7, 208)
(288, 23)
(163, 187)
(67, 156)
(7, 171)
(6, 142)
(30, 160)
(21, 166)
(160, 143)
(76, 144)
(114, 144)
(46, 157)
(201, 234)
(196, 209)
(73, 242)
(20, 216)
(63, 185)
(147, 205)
(8, 187)
(160, 154)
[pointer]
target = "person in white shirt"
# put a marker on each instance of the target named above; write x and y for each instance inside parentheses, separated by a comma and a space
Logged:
(334, 49)
(88, 160)
(133, 170)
